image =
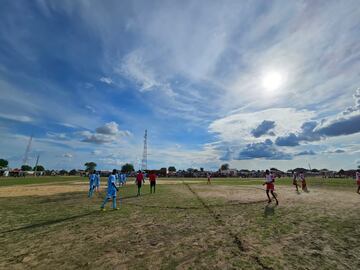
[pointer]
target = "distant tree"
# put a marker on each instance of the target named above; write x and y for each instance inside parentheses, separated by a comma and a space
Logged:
(273, 169)
(26, 168)
(172, 169)
(315, 170)
(3, 163)
(73, 172)
(63, 172)
(224, 167)
(90, 166)
(201, 169)
(127, 168)
(39, 168)
(359, 167)
(190, 170)
(341, 172)
(163, 172)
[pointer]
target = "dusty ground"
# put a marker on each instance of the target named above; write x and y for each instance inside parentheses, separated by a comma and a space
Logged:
(182, 226)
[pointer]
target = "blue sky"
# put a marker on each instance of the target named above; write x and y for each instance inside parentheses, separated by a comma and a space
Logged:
(256, 84)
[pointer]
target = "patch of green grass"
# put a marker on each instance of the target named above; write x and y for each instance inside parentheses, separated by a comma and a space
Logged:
(30, 180)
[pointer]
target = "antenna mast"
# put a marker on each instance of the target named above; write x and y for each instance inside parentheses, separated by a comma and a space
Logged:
(37, 162)
(27, 151)
(144, 157)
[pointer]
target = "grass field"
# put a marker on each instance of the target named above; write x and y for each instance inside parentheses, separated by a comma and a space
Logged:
(49, 223)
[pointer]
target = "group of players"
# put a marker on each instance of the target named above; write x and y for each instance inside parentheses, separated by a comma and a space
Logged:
(116, 180)
(297, 177)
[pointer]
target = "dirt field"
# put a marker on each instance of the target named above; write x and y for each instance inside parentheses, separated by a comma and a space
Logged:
(185, 225)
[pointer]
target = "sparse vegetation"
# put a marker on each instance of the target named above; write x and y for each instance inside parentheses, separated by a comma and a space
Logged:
(185, 225)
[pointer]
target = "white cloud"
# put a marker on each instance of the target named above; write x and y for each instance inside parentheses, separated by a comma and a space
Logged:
(237, 127)
(90, 108)
(106, 80)
(68, 155)
(107, 133)
(19, 118)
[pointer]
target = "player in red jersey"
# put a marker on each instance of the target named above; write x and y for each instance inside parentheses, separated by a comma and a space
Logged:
(139, 181)
(152, 179)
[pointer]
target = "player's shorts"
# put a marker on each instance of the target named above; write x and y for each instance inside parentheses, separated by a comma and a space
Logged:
(139, 184)
(358, 182)
(294, 182)
(270, 186)
(152, 183)
(111, 193)
(303, 184)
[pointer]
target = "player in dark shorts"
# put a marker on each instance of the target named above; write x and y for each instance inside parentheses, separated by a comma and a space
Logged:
(139, 181)
(152, 179)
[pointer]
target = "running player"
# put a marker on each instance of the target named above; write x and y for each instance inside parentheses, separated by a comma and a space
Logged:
(269, 182)
(111, 191)
(358, 180)
(295, 176)
(139, 181)
(152, 179)
(92, 177)
(303, 181)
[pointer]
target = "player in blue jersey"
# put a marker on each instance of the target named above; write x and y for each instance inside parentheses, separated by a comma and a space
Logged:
(111, 191)
(97, 182)
(92, 177)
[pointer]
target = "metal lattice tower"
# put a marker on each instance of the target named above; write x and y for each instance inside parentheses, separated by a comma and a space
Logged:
(27, 151)
(144, 157)
(37, 162)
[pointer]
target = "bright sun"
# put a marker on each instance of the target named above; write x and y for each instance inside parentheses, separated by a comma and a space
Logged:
(272, 80)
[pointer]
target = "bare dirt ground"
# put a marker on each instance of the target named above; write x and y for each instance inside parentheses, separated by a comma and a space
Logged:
(183, 226)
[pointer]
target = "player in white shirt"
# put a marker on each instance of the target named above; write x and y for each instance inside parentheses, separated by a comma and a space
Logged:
(269, 182)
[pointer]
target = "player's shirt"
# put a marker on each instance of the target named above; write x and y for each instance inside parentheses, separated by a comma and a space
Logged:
(302, 177)
(152, 177)
(269, 178)
(294, 177)
(357, 176)
(111, 185)
(139, 178)
(92, 178)
(97, 180)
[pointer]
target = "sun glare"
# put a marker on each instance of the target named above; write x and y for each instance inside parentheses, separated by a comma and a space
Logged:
(272, 80)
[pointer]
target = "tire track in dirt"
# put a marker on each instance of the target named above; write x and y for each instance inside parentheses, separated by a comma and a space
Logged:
(217, 218)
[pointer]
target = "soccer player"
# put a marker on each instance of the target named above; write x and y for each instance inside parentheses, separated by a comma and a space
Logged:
(303, 181)
(111, 191)
(295, 176)
(208, 179)
(139, 181)
(358, 180)
(269, 182)
(124, 178)
(152, 179)
(97, 182)
(92, 177)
